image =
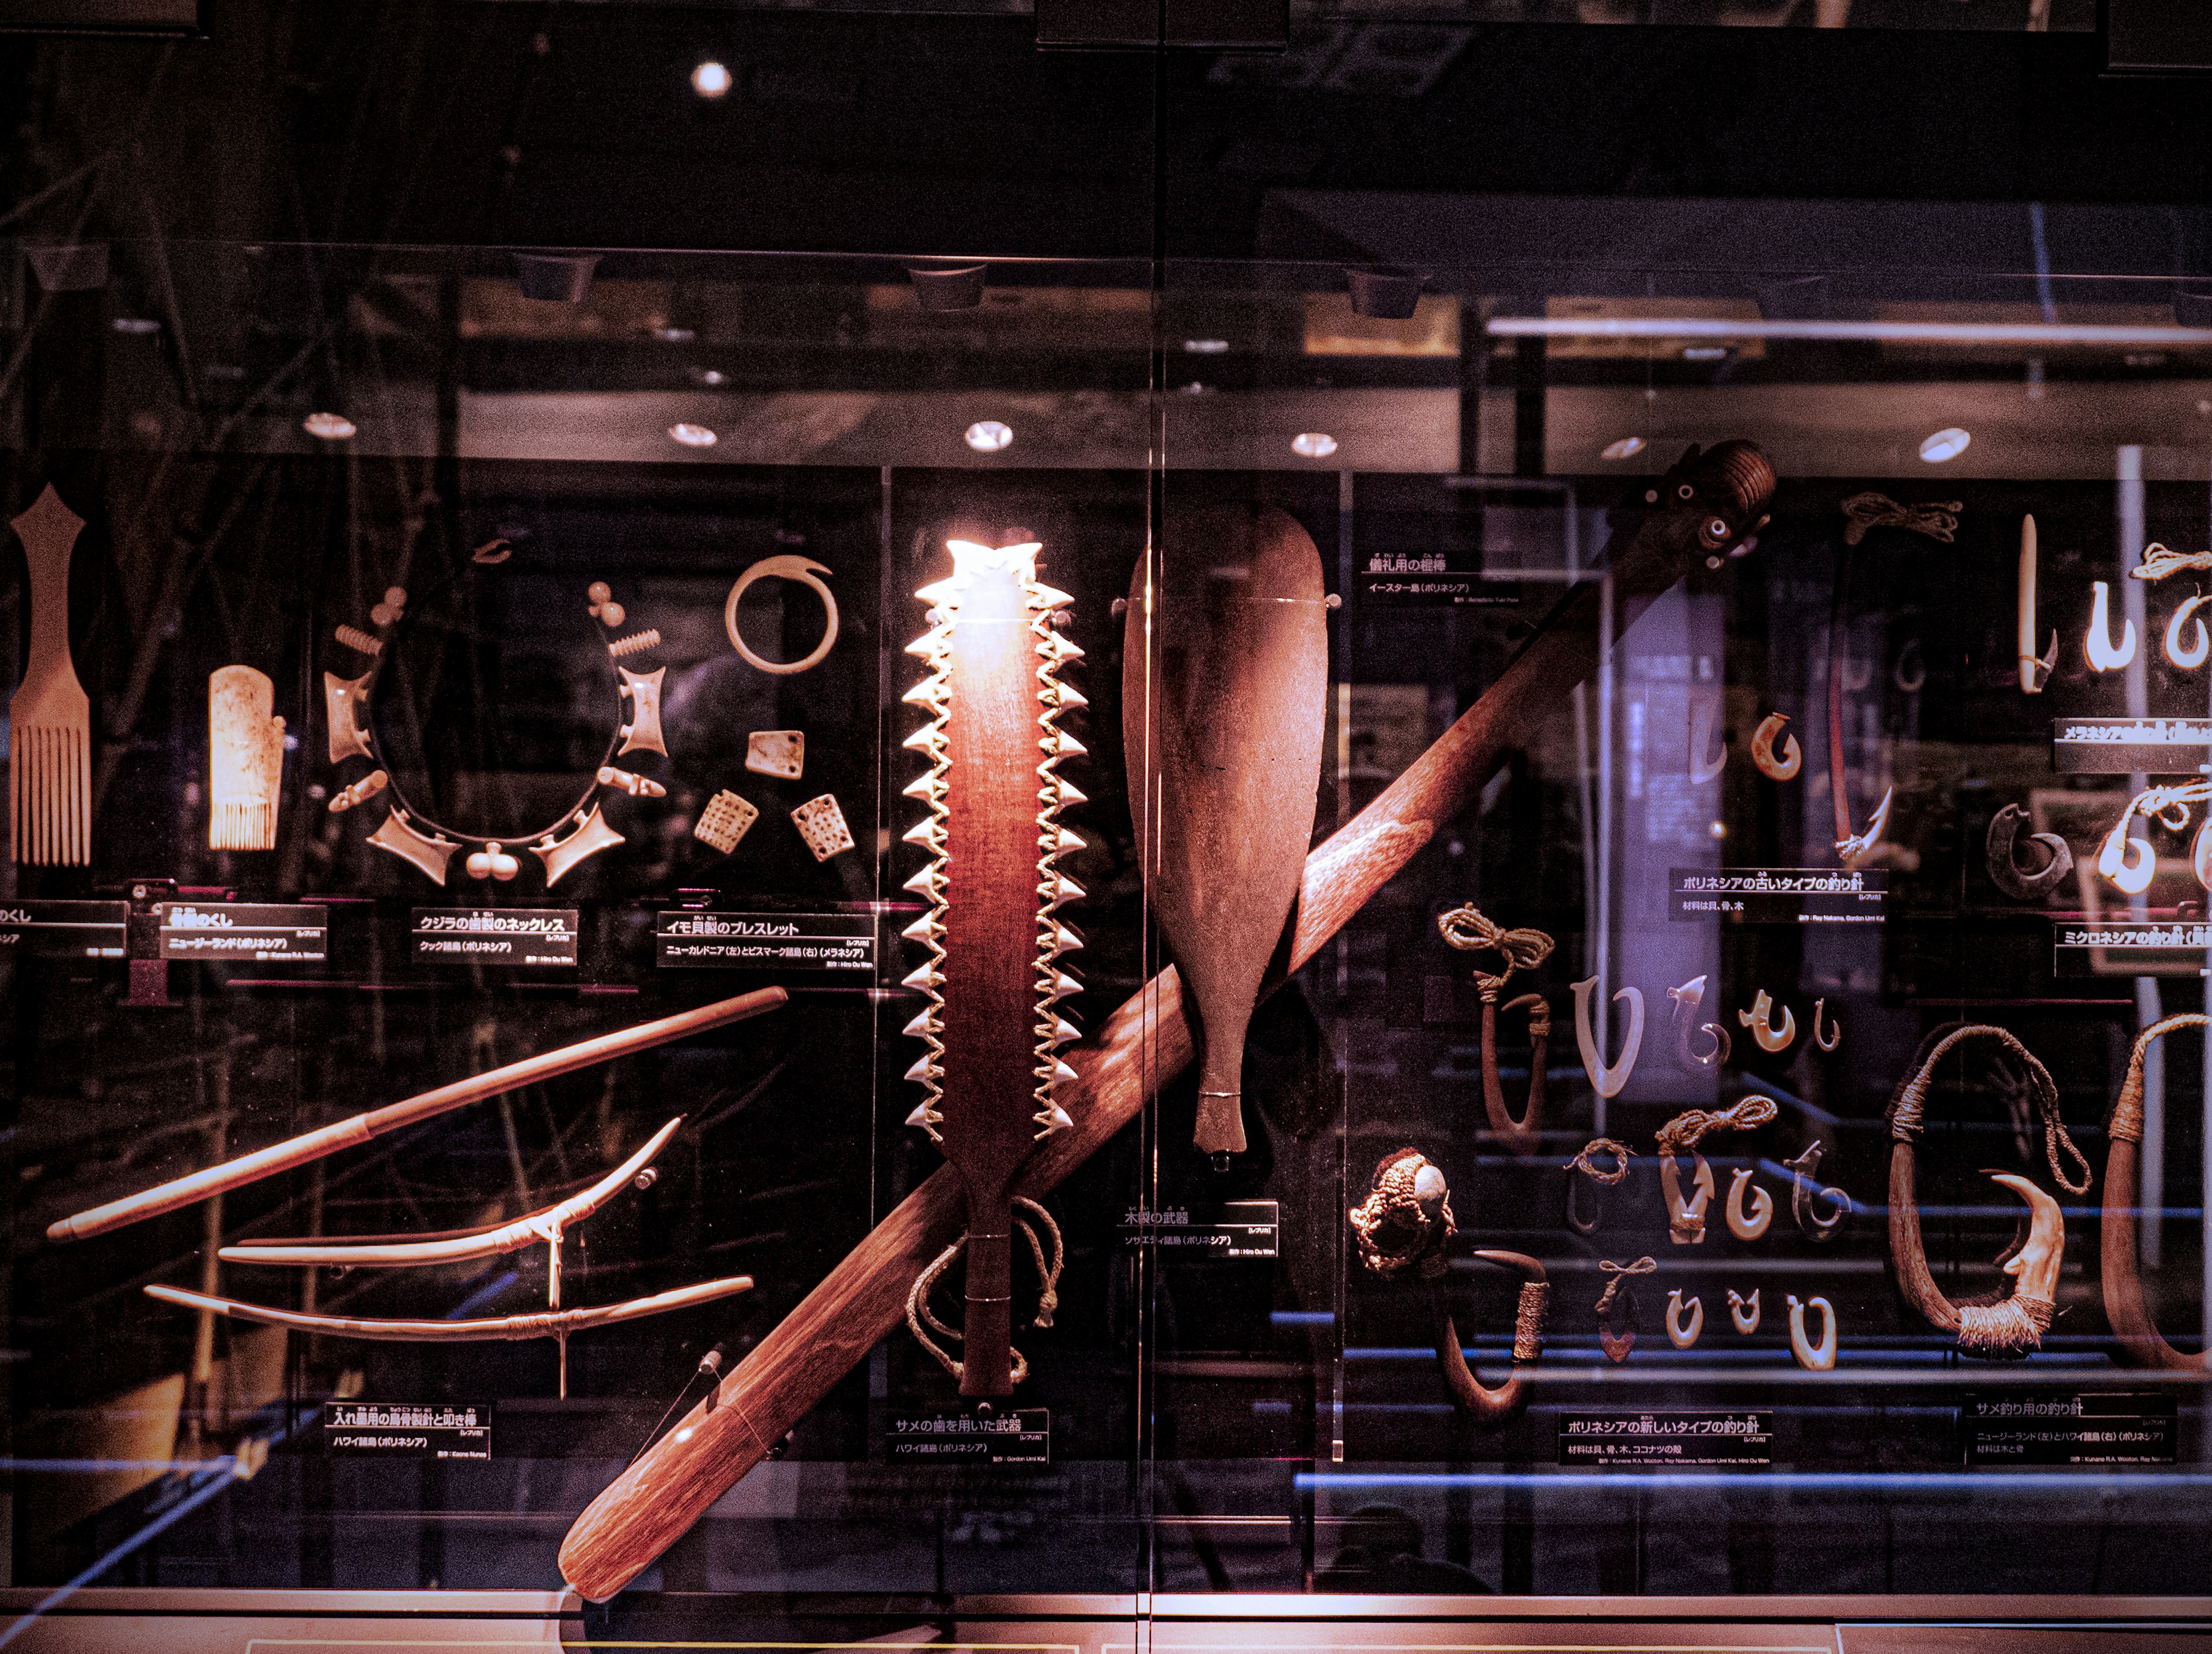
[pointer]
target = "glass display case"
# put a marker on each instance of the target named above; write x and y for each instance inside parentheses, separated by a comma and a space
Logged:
(1486, 928)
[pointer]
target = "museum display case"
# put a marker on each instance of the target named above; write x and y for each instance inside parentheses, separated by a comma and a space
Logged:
(1489, 927)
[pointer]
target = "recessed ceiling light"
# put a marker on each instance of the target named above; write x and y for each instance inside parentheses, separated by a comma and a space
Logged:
(1206, 346)
(1627, 448)
(692, 435)
(674, 335)
(1704, 352)
(711, 376)
(135, 324)
(1313, 445)
(331, 428)
(1947, 444)
(710, 79)
(989, 435)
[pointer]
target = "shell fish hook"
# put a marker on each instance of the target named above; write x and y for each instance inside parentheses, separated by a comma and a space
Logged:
(1704, 768)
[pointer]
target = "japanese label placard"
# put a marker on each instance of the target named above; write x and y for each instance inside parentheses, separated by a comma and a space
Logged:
(1235, 1229)
(2014, 1427)
(687, 939)
(258, 931)
(1021, 1437)
(2120, 747)
(63, 930)
(495, 936)
(1779, 896)
(1668, 1440)
(409, 1430)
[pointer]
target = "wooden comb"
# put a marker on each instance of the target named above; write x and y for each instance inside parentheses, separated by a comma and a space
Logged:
(50, 719)
(1224, 709)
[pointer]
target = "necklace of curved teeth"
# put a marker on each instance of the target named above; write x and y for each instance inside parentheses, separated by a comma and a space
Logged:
(1054, 939)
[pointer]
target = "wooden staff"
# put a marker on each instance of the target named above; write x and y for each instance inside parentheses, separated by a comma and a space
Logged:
(313, 1145)
(1701, 508)
(547, 1223)
(546, 1323)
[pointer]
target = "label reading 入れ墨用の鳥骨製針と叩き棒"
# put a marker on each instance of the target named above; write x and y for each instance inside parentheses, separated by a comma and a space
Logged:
(407, 1430)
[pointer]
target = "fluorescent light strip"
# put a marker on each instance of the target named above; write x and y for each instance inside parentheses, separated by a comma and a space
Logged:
(1896, 332)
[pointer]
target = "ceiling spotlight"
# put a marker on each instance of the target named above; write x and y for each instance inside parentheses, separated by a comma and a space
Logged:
(139, 324)
(710, 79)
(692, 435)
(1313, 445)
(712, 376)
(1946, 444)
(331, 428)
(989, 435)
(674, 335)
(1206, 346)
(1627, 448)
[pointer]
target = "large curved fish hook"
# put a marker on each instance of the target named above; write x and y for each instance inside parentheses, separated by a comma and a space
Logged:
(2007, 1327)
(2141, 1343)
(2005, 873)
(1496, 1407)
(1466, 929)
(1606, 1080)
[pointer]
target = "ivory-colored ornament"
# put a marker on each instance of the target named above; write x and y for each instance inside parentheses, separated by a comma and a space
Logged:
(430, 853)
(559, 855)
(345, 707)
(726, 819)
(822, 824)
(781, 752)
(643, 732)
(360, 793)
(493, 861)
(638, 787)
(246, 759)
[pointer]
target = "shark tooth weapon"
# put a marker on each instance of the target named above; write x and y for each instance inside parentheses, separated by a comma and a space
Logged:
(1708, 503)
(993, 980)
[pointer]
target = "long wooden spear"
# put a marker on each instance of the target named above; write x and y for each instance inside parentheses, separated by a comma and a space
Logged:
(1700, 509)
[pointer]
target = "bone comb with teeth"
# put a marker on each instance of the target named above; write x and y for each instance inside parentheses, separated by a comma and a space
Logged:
(50, 719)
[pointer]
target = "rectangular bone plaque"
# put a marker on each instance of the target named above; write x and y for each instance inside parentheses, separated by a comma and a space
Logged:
(822, 824)
(725, 821)
(781, 752)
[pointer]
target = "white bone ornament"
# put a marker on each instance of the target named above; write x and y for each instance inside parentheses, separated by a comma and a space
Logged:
(427, 852)
(361, 792)
(643, 732)
(246, 760)
(559, 855)
(1607, 1080)
(1743, 1311)
(345, 703)
(779, 752)
(726, 819)
(638, 787)
(1681, 1335)
(822, 824)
